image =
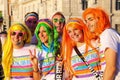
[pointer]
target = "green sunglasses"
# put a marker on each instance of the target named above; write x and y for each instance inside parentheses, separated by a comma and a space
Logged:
(61, 20)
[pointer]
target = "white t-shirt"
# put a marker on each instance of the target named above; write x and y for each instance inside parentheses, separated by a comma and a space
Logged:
(79, 66)
(46, 64)
(110, 38)
(21, 68)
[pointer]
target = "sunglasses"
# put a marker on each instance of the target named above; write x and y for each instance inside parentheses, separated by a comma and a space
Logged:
(29, 21)
(17, 33)
(61, 20)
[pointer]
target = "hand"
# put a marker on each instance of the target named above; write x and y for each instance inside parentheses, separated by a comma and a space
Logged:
(68, 76)
(34, 60)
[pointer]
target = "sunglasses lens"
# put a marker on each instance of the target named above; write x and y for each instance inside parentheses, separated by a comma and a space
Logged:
(55, 20)
(13, 33)
(20, 34)
(34, 22)
(29, 21)
(17, 33)
(62, 20)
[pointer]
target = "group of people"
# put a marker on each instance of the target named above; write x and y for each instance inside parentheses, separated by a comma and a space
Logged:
(89, 48)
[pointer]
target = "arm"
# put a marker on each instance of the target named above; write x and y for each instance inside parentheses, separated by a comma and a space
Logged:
(36, 74)
(34, 61)
(110, 57)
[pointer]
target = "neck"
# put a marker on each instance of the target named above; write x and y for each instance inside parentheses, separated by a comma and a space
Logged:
(80, 44)
(46, 44)
(18, 46)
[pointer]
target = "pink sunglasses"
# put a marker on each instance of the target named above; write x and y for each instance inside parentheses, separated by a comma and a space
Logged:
(17, 33)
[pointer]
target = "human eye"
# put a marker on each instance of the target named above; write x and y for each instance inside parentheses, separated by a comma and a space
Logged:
(62, 20)
(68, 31)
(91, 19)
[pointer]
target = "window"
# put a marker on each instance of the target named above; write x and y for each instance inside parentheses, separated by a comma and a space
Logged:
(84, 4)
(95, 2)
(117, 27)
(117, 4)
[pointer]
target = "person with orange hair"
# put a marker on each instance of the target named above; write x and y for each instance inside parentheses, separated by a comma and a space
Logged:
(108, 39)
(75, 37)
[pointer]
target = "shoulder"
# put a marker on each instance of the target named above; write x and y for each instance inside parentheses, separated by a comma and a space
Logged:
(110, 31)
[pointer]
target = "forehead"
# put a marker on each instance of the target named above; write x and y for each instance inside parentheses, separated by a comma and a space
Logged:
(31, 17)
(42, 28)
(72, 28)
(57, 16)
(88, 16)
(16, 31)
(17, 27)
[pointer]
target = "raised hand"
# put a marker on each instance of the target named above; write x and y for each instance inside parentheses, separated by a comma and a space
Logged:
(34, 60)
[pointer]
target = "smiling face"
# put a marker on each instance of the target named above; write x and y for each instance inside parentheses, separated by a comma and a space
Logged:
(31, 22)
(17, 38)
(43, 35)
(75, 34)
(91, 22)
(58, 21)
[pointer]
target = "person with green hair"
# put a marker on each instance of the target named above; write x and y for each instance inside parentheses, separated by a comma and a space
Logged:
(16, 58)
(47, 48)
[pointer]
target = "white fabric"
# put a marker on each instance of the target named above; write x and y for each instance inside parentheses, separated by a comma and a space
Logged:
(47, 64)
(21, 63)
(79, 65)
(111, 39)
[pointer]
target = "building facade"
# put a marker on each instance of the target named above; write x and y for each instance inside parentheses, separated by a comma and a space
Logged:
(70, 8)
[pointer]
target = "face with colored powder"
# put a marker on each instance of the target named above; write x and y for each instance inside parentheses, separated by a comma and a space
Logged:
(31, 22)
(58, 21)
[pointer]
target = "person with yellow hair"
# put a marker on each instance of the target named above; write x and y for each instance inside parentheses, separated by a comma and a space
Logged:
(16, 58)
(77, 67)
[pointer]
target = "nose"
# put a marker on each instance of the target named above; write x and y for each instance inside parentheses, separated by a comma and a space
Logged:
(17, 36)
(41, 34)
(87, 23)
(58, 22)
(73, 33)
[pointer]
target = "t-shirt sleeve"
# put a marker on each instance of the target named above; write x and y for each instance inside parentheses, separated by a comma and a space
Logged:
(109, 39)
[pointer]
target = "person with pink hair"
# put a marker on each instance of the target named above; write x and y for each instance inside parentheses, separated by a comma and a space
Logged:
(97, 21)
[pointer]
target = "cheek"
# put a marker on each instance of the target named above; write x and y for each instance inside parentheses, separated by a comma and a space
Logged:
(27, 23)
(79, 34)
(69, 34)
(46, 36)
(12, 38)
